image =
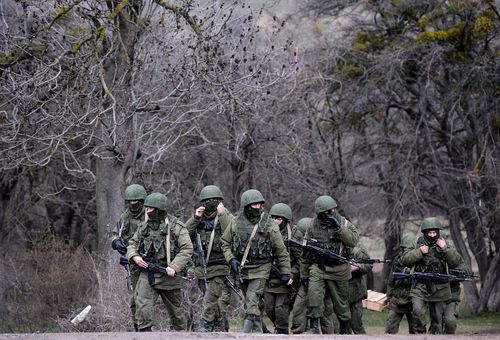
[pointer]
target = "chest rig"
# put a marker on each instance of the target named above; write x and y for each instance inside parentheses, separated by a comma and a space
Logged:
(260, 248)
(329, 239)
(153, 246)
(129, 223)
(205, 228)
(434, 261)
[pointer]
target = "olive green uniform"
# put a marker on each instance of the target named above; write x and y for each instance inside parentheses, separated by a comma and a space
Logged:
(398, 295)
(124, 230)
(266, 246)
(217, 295)
(358, 290)
(335, 276)
(278, 296)
(151, 239)
(436, 260)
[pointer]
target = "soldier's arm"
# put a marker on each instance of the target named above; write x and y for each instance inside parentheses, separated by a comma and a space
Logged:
(453, 258)
(279, 250)
(295, 253)
(133, 244)
(361, 253)
(115, 232)
(191, 225)
(348, 233)
(225, 219)
(226, 240)
(185, 249)
(411, 256)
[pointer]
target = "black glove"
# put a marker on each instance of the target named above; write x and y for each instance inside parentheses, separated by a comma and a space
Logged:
(235, 266)
(124, 260)
(304, 281)
(119, 246)
(333, 220)
(285, 278)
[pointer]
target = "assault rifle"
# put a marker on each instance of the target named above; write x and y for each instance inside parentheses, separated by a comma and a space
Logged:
(275, 273)
(370, 261)
(428, 278)
(232, 286)
(201, 255)
(155, 267)
(463, 274)
(318, 254)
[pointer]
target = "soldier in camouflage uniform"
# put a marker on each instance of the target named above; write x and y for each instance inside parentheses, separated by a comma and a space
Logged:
(165, 241)
(209, 221)
(398, 292)
(450, 312)
(125, 228)
(251, 243)
(358, 290)
(277, 296)
(431, 255)
(335, 233)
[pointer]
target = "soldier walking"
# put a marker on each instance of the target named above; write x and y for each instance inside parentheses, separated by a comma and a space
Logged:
(161, 242)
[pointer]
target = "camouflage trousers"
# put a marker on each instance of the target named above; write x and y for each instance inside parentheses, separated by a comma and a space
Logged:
(329, 323)
(216, 299)
(356, 322)
(145, 298)
(394, 319)
(449, 319)
(337, 290)
(134, 277)
(254, 294)
(277, 307)
(420, 308)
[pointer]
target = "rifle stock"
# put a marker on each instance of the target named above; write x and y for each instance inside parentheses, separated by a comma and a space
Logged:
(201, 255)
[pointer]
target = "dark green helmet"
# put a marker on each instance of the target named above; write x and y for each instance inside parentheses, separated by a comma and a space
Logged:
(431, 223)
(157, 200)
(251, 196)
(135, 192)
(281, 210)
(324, 203)
(303, 223)
(408, 240)
(210, 191)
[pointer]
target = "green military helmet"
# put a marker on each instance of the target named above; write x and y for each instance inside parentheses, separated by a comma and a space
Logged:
(408, 240)
(157, 200)
(431, 223)
(135, 192)
(210, 191)
(251, 196)
(324, 203)
(281, 210)
(303, 223)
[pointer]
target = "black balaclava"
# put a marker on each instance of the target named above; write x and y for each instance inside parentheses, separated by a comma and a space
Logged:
(136, 207)
(431, 240)
(210, 207)
(252, 214)
(156, 216)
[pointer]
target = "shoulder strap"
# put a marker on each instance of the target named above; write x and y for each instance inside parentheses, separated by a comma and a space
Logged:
(212, 236)
(168, 241)
(247, 249)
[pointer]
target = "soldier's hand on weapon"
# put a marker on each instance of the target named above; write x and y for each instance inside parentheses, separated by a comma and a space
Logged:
(235, 266)
(304, 281)
(124, 260)
(199, 211)
(139, 261)
(354, 268)
(424, 249)
(285, 278)
(119, 246)
(220, 208)
(441, 243)
(170, 271)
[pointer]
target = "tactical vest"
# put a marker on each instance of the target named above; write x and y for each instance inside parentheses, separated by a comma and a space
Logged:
(129, 224)
(329, 239)
(153, 242)
(260, 249)
(432, 262)
(205, 228)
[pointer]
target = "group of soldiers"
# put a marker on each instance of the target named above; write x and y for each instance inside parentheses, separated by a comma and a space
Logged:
(306, 277)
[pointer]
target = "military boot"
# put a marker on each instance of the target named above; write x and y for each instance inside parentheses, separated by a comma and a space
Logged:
(281, 331)
(145, 329)
(257, 325)
(314, 326)
(248, 323)
(344, 327)
(206, 326)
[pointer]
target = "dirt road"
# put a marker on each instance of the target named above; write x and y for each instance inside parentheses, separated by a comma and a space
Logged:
(226, 336)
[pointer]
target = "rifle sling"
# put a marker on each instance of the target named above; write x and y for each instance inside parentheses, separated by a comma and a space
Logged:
(212, 237)
(249, 244)
(168, 242)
